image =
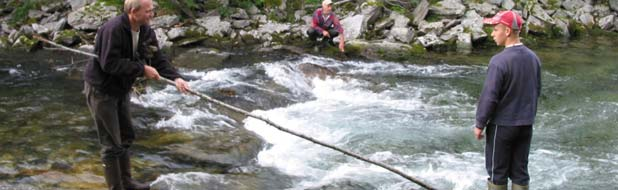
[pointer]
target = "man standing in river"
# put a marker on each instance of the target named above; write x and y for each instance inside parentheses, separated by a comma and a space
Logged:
(507, 105)
(127, 48)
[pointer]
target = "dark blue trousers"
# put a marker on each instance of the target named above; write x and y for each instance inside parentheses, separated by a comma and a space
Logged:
(506, 154)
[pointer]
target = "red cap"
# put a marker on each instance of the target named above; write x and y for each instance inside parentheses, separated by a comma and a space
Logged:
(507, 18)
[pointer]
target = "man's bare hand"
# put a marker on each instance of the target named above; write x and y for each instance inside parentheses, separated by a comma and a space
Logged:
(151, 73)
(325, 33)
(478, 133)
(182, 85)
(342, 47)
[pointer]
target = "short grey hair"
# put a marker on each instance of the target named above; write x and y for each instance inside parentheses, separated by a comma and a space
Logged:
(131, 4)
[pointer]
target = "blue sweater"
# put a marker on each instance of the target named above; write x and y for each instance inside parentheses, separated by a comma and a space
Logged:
(511, 89)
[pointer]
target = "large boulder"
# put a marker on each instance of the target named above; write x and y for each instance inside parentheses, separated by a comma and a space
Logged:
(401, 21)
(164, 42)
(430, 40)
(485, 9)
(573, 5)
(541, 14)
(354, 27)
(563, 27)
(91, 17)
(431, 27)
(448, 8)
(66, 37)
(77, 4)
(536, 25)
(177, 33)
(607, 23)
(345, 184)
(371, 13)
(165, 21)
(405, 35)
(452, 33)
(474, 23)
(613, 4)
(508, 4)
(223, 148)
(420, 12)
(215, 26)
(464, 43)
(240, 14)
(400, 30)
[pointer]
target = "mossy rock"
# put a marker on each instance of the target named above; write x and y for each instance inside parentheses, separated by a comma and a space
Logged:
(67, 37)
(4, 42)
(25, 43)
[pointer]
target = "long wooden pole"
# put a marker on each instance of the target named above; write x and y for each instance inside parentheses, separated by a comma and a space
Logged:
(236, 109)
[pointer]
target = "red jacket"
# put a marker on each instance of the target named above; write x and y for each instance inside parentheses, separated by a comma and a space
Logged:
(320, 24)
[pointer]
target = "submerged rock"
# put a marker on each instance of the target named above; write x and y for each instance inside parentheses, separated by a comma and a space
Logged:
(219, 148)
(313, 70)
(344, 185)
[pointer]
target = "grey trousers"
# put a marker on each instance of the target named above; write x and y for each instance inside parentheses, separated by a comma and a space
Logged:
(113, 121)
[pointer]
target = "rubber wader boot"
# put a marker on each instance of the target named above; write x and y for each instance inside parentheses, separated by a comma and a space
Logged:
(127, 180)
(111, 169)
(491, 186)
(519, 187)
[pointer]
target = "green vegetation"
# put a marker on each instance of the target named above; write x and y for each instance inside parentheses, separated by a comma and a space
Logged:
(20, 14)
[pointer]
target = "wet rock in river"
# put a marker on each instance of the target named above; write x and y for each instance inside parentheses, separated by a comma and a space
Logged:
(218, 148)
(313, 70)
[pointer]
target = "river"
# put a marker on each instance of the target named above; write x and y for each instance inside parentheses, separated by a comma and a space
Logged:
(416, 116)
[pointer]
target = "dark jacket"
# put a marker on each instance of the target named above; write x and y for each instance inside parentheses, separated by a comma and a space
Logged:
(116, 67)
(331, 22)
(511, 90)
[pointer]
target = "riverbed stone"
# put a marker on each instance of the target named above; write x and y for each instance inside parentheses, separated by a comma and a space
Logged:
(344, 184)
(420, 12)
(573, 5)
(452, 33)
(464, 43)
(215, 26)
(66, 37)
(607, 23)
(165, 21)
(77, 4)
(164, 41)
(354, 27)
(485, 9)
(92, 16)
(473, 22)
(613, 4)
(448, 8)
(240, 14)
(508, 4)
(431, 27)
(240, 24)
(430, 40)
(222, 147)
(177, 33)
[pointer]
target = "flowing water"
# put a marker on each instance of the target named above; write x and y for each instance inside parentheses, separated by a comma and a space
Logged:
(415, 116)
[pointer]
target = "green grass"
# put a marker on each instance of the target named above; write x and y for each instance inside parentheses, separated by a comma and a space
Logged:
(20, 14)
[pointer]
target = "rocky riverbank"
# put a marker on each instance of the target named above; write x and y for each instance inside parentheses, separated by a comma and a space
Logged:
(373, 28)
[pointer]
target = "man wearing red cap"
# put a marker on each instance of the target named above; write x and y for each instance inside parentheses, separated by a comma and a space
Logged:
(507, 105)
